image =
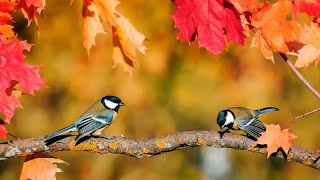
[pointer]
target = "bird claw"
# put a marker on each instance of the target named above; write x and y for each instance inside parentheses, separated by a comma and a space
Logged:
(221, 133)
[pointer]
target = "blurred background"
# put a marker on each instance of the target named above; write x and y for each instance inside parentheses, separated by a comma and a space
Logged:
(175, 87)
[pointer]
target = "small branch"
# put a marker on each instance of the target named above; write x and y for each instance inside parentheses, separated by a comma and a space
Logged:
(302, 115)
(152, 147)
(300, 76)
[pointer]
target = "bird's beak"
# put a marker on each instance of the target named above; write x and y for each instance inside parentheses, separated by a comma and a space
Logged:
(122, 104)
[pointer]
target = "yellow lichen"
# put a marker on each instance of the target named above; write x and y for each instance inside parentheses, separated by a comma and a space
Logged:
(289, 155)
(202, 142)
(84, 146)
(113, 145)
(161, 143)
(128, 151)
(146, 150)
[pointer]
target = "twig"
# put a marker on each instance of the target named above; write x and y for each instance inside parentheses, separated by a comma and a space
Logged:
(13, 136)
(300, 76)
(302, 115)
(152, 147)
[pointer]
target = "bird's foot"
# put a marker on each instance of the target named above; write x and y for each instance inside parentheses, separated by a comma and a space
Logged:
(223, 132)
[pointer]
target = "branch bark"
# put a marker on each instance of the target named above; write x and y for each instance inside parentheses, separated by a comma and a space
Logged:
(152, 147)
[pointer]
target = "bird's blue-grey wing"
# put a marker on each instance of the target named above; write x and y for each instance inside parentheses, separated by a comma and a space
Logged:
(253, 127)
(90, 124)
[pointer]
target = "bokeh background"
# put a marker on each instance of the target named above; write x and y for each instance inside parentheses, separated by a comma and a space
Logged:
(175, 87)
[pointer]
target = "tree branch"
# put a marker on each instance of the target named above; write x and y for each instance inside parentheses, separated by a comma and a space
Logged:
(153, 146)
(303, 115)
(300, 76)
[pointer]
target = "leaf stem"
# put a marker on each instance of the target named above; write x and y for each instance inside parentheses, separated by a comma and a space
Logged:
(300, 76)
(303, 115)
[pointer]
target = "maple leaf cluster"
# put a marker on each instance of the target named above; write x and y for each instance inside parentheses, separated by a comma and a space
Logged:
(217, 22)
(126, 39)
(13, 69)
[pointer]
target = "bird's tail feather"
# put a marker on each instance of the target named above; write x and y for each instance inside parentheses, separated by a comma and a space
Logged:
(70, 128)
(266, 110)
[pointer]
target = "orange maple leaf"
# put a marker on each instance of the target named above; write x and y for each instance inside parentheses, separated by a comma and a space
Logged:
(275, 31)
(6, 30)
(40, 166)
(126, 39)
(276, 138)
(91, 25)
(310, 52)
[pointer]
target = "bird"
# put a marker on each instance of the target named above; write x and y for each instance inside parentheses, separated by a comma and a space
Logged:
(243, 119)
(99, 116)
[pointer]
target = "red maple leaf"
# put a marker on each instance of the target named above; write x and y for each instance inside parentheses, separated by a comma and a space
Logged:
(311, 7)
(14, 70)
(6, 6)
(209, 21)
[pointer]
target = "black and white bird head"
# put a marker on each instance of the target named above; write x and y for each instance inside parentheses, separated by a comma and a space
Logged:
(112, 102)
(225, 119)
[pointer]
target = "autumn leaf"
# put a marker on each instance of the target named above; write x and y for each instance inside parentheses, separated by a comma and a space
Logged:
(3, 131)
(14, 70)
(244, 5)
(91, 25)
(209, 21)
(40, 166)
(6, 6)
(311, 7)
(126, 39)
(6, 31)
(310, 52)
(260, 42)
(31, 9)
(275, 32)
(276, 138)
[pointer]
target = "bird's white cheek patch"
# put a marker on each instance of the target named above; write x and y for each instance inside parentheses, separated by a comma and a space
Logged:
(110, 104)
(229, 118)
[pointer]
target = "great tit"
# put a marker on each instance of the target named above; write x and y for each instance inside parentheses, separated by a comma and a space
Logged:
(241, 118)
(94, 120)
